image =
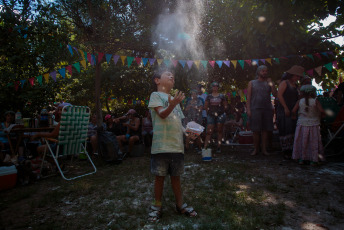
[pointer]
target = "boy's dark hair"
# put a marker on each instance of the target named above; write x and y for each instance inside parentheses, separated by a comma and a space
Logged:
(157, 74)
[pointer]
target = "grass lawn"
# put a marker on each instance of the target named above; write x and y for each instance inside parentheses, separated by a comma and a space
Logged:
(234, 191)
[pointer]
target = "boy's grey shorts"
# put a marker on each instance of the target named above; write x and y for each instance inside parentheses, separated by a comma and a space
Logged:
(163, 164)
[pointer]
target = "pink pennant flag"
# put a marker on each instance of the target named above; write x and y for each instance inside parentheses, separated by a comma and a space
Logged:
(16, 85)
(175, 62)
(317, 55)
(115, 59)
(318, 70)
(310, 72)
(32, 81)
(335, 64)
(189, 62)
(89, 58)
(212, 63)
(249, 62)
(69, 68)
(245, 91)
(138, 60)
(100, 57)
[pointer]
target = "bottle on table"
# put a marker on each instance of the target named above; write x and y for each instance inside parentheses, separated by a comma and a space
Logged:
(44, 119)
(18, 118)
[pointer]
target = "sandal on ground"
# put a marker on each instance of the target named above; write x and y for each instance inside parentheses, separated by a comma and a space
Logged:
(155, 213)
(187, 211)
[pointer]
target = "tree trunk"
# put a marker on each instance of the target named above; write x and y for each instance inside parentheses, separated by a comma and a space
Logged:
(98, 93)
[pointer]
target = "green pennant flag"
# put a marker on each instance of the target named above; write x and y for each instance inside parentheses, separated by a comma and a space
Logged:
(10, 84)
(204, 63)
(310, 56)
(276, 60)
(39, 79)
(241, 62)
(329, 66)
(77, 66)
(130, 60)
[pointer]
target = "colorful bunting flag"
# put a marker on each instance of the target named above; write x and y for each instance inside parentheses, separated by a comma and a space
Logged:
(46, 77)
(276, 60)
(329, 66)
(255, 62)
(77, 66)
(69, 68)
(93, 59)
(32, 81)
(310, 72)
(39, 79)
(100, 57)
(248, 62)
(167, 62)
(159, 60)
(182, 62)
(108, 57)
(22, 82)
(317, 55)
(189, 62)
(70, 49)
(227, 63)
(175, 62)
(62, 72)
(204, 63)
(89, 58)
(212, 63)
(138, 60)
(16, 85)
(241, 62)
(219, 63)
(234, 63)
(268, 60)
(123, 59)
(151, 61)
(83, 63)
(310, 56)
(53, 75)
(262, 60)
(130, 60)
(144, 61)
(335, 64)
(115, 59)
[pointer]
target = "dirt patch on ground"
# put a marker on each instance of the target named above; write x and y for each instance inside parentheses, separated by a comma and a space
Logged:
(117, 196)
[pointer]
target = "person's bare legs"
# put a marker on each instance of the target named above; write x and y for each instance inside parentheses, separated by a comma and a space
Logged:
(120, 139)
(219, 135)
(210, 129)
(132, 140)
(177, 190)
(94, 143)
(158, 189)
(265, 136)
(256, 141)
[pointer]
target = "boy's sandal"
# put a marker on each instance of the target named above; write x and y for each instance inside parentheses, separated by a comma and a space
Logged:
(187, 211)
(155, 213)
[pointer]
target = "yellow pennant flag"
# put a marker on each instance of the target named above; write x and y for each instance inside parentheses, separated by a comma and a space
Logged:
(159, 61)
(123, 59)
(234, 63)
(83, 63)
(197, 62)
(46, 77)
(82, 54)
(268, 60)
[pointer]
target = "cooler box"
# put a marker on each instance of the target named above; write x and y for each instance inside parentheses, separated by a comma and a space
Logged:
(8, 177)
(245, 137)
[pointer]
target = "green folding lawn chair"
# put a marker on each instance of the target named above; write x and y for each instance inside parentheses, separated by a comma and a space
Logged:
(72, 136)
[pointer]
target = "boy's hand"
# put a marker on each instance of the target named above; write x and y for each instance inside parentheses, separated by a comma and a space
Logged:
(177, 98)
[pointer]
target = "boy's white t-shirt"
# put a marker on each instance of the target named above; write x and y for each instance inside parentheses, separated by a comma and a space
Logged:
(168, 132)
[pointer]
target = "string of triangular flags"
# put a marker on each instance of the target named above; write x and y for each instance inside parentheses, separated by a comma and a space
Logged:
(94, 58)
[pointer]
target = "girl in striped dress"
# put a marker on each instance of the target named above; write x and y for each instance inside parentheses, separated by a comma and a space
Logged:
(307, 141)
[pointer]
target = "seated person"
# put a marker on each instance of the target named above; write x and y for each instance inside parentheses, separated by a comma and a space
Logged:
(147, 129)
(52, 134)
(115, 125)
(92, 133)
(133, 131)
(109, 123)
(233, 123)
(9, 120)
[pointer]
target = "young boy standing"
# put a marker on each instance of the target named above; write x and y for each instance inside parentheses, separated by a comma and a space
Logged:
(167, 154)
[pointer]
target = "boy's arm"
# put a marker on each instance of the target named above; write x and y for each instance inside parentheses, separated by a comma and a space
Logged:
(172, 103)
